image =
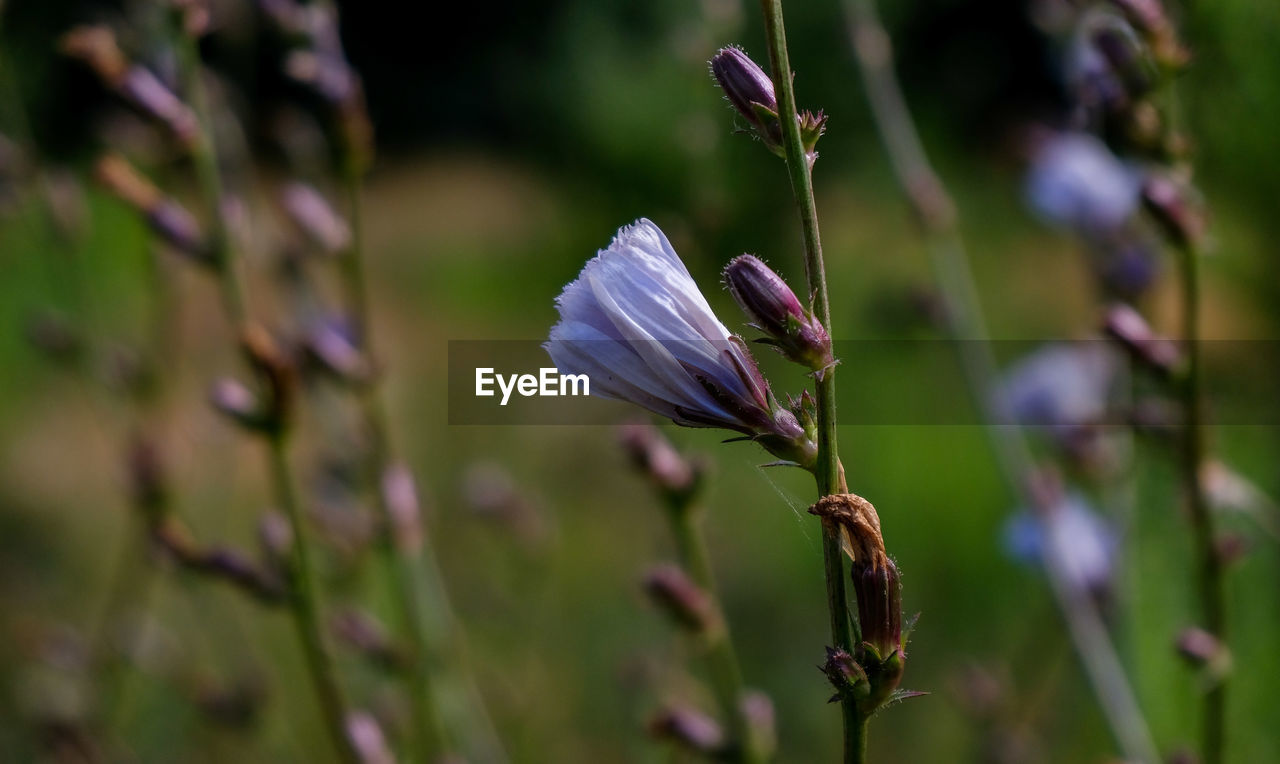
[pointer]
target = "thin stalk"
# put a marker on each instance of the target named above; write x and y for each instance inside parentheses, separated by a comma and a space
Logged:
(304, 599)
(426, 612)
(722, 660)
(304, 605)
(954, 278)
(829, 473)
(1209, 563)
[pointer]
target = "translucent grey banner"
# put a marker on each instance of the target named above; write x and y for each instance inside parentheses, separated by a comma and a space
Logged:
(890, 382)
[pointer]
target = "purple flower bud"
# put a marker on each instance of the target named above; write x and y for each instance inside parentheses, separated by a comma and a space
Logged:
(750, 90)
(770, 303)
(689, 728)
(1130, 329)
(315, 217)
(654, 456)
(681, 599)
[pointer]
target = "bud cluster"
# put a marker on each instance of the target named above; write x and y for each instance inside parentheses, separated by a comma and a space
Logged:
(872, 672)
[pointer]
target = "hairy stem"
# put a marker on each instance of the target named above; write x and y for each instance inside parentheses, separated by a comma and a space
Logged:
(829, 473)
(954, 278)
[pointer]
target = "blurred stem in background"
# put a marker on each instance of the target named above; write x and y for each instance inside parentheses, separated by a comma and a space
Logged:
(679, 482)
(936, 215)
(448, 703)
(829, 472)
(304, 594)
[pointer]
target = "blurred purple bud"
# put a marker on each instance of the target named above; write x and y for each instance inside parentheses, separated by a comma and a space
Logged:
(689, 728)
(367, 739)
(1076, 182)
(1131, 330)
(659, 461)
(683, 601)
(1203, 650)
(316, 218)
(364, 633)
(770, 303)
(331, 343)
(401, 496)
(275, 536)
(148, 93)
(237, 402)
(1175, 207)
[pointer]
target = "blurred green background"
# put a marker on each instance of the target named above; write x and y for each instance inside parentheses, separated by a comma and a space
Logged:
(514, 140)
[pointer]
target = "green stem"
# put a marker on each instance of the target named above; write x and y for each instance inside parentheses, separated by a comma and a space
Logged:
(1209, 563)
(954, 277)
(829, 474)
(722, 660)
(426, 612)
(304, 597)
(305, 607)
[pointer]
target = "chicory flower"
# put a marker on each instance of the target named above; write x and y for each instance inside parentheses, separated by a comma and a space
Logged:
(636, 324)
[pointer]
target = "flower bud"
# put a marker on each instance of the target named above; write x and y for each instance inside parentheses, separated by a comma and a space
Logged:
(653, 456)
(166, 217)
(400, 492)
(775, 310)
(681, 599)
(750, 90)
(1172, 205)
(315, 218)
(689, 728)
(1130, 329)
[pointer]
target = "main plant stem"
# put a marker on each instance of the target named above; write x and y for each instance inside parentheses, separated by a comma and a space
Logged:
(954, 278)
(829, 474)
(722, 660)
(304, 596)
(1209, 563)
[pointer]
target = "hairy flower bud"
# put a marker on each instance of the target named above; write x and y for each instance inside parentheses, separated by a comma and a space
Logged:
(775, 310)
(750, 90)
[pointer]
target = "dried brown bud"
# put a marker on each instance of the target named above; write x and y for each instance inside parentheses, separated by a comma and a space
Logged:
(277, 368)
(859, 525)
(681, 599)
(96, 46)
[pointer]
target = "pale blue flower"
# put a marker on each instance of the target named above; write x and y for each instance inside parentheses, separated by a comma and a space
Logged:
(636, 324)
